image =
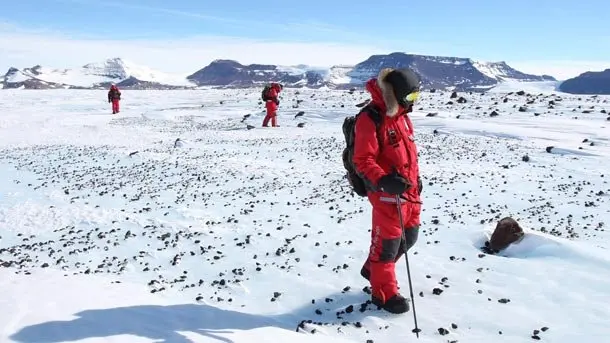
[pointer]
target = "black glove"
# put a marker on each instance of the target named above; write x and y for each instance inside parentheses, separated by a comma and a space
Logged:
(277, 102)
(420, 185)
(393, 184)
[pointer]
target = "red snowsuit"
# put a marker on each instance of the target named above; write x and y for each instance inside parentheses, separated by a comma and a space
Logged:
(397, 151)
(114, 96)
(272, 104)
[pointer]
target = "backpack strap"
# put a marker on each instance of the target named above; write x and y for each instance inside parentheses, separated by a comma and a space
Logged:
(375, 115)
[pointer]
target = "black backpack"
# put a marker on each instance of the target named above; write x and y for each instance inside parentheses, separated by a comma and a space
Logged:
(358, 184)
(265, 92)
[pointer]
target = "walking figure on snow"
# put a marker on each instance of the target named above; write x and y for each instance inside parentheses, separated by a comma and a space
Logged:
(114, 96)
(381, 159)
(270, 94)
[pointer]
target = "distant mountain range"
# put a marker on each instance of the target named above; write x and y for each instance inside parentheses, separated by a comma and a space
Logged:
(437, 72)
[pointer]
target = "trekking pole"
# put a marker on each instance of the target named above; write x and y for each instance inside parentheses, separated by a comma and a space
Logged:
(404, 246)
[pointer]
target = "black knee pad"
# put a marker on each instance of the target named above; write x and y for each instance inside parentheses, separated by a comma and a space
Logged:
(411, 236)
(389, 249)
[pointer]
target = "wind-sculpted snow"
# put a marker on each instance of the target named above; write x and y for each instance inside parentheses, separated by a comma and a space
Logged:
(187, 197)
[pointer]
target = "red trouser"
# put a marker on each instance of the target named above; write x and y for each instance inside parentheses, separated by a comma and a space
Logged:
(386, 244)
(271, 115)
(115, 106)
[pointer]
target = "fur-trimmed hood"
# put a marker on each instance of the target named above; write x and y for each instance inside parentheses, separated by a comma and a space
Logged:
(382, 93)
(387, 93)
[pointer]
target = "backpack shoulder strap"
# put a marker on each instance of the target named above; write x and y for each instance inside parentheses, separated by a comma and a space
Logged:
(373, 112)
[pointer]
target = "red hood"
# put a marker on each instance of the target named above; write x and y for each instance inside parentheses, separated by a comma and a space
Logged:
(376, 95)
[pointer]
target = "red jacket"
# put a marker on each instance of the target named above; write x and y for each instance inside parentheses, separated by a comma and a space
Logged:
(273, 93)
(397, 150)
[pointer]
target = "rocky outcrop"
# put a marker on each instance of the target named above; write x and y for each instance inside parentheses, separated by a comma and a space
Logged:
(232, 73)
(588, 83)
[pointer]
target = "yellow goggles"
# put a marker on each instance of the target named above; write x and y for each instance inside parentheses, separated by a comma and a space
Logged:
(412, 97)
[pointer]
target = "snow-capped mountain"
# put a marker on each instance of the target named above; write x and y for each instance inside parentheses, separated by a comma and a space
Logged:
(232, 73)
(94, 75)
(16, 78)
(502, 71)
(436, 72)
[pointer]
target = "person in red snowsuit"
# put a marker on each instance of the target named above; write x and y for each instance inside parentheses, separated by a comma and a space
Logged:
(114, 96)
(271, 104)
(386, 158)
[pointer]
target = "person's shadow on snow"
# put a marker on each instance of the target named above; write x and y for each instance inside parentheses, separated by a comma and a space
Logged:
(163, 323)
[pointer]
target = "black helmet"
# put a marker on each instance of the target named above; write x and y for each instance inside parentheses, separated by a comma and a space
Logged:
(404, 82)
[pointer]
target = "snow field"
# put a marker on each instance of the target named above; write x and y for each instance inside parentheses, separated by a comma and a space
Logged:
(180, 227)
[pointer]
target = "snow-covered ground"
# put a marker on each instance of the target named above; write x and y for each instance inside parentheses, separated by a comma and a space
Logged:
(112, 229)
(537, 87)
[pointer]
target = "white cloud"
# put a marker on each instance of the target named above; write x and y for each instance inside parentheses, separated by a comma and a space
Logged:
(22, 48)
(143, 10)
(560, 69)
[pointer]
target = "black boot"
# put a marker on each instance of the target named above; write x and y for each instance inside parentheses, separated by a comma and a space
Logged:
(396, 304)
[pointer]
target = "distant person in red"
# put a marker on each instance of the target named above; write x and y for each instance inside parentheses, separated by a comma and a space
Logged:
(114, 96)
(270, 94)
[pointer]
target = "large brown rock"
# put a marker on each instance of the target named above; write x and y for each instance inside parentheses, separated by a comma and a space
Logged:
(506, 233)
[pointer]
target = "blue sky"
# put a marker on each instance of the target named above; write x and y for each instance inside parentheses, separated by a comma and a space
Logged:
(537, 32)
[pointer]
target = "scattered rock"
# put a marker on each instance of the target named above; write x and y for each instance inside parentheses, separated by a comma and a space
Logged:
(443, 331)
(364, 103)
(437, 291)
